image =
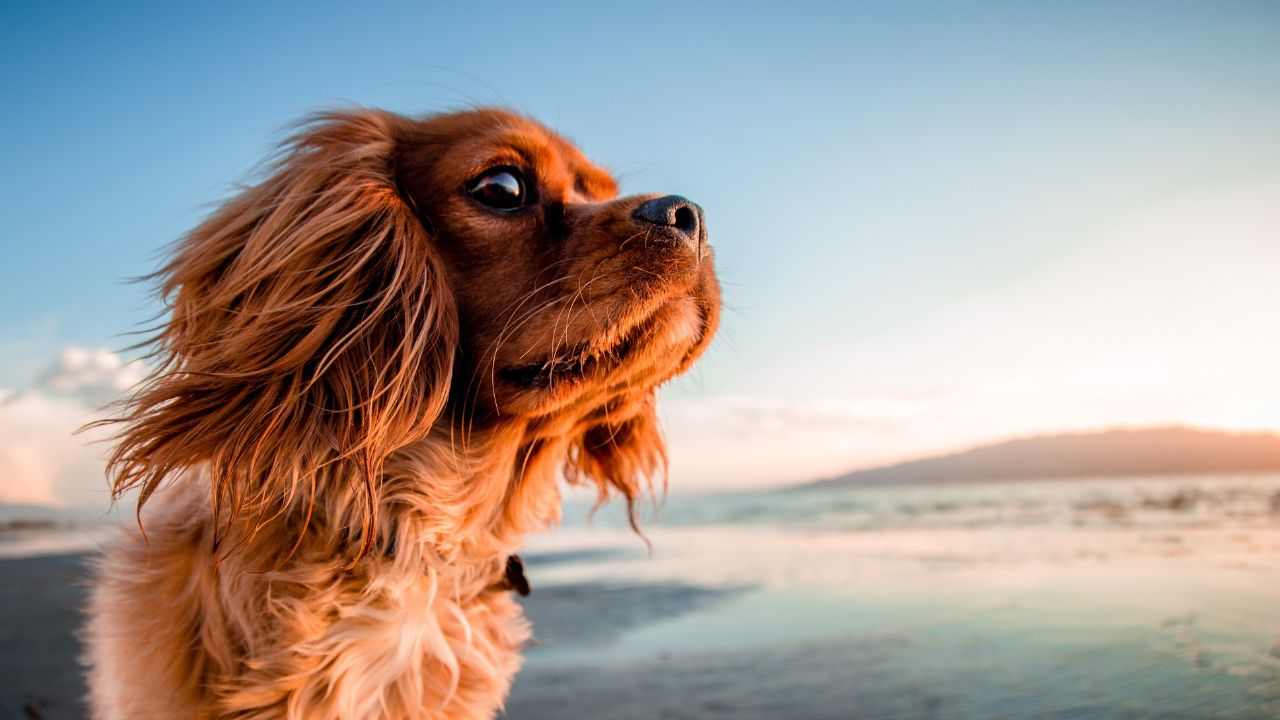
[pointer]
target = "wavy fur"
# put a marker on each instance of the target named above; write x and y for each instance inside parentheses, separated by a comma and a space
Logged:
(328, 509)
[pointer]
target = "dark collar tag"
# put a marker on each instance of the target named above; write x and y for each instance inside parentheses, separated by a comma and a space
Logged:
(515, 576)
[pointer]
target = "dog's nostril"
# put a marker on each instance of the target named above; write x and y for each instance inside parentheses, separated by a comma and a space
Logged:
(686, 220)
(675, 212)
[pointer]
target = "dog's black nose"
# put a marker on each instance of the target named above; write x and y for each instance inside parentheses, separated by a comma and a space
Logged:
(680, 216)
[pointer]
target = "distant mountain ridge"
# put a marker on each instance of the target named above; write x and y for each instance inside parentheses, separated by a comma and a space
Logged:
(1109, 453)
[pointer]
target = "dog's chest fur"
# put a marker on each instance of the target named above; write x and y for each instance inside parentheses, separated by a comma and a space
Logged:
(389, 637)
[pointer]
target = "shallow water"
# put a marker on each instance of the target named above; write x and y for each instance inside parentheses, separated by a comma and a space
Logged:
(1099, 599)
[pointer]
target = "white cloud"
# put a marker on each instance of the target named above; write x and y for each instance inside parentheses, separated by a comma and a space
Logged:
(92, 377)
(42, 458)
(738, 414)
(739, 440)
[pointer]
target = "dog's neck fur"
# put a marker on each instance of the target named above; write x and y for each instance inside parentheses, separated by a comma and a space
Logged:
(446, 502)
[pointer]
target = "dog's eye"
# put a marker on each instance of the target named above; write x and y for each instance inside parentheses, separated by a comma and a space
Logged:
(500, 189)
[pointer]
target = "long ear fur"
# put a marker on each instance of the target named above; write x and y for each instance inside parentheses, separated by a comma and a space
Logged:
(312, 333)
(625, 457)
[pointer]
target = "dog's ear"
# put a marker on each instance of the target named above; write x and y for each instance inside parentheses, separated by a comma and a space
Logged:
(626, 457)
(312, 333)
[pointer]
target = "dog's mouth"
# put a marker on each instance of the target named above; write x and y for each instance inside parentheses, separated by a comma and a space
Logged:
(658, 342)
(578, 361)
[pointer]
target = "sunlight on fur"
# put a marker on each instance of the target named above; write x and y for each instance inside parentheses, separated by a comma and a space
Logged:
(376, 368)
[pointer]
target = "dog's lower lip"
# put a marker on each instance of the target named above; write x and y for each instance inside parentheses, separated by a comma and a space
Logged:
(573, 365)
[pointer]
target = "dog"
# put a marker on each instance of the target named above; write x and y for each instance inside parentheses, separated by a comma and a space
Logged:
(376, 369)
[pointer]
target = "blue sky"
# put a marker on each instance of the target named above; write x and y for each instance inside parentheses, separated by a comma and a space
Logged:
(935, 223)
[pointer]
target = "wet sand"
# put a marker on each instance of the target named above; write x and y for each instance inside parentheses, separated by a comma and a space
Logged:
(885, 675)
(962, 604)
(40, 602)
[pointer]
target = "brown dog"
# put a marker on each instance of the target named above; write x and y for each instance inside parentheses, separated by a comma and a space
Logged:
(378, 364)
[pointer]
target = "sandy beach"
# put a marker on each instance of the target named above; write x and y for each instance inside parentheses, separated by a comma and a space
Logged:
(1102, 600)
(42, 599)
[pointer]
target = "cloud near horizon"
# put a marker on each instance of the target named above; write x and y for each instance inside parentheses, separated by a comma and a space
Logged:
(717, 441)
(1162, 316)
(43, 460)
(728, 441)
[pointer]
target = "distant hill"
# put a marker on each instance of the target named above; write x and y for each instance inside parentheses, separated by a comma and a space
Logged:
(1110, 453)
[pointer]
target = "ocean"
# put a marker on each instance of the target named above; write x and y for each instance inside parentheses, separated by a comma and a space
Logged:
(1110, 598)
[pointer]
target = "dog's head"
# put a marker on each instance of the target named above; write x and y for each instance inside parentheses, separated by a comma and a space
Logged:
(566, 294)
(391, 275)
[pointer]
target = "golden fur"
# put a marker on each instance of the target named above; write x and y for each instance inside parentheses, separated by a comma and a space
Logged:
(366, 392)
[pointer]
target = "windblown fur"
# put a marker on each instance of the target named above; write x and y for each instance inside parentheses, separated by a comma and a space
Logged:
(366, 393)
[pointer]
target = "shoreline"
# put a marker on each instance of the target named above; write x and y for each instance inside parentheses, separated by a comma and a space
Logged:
(963, 612)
